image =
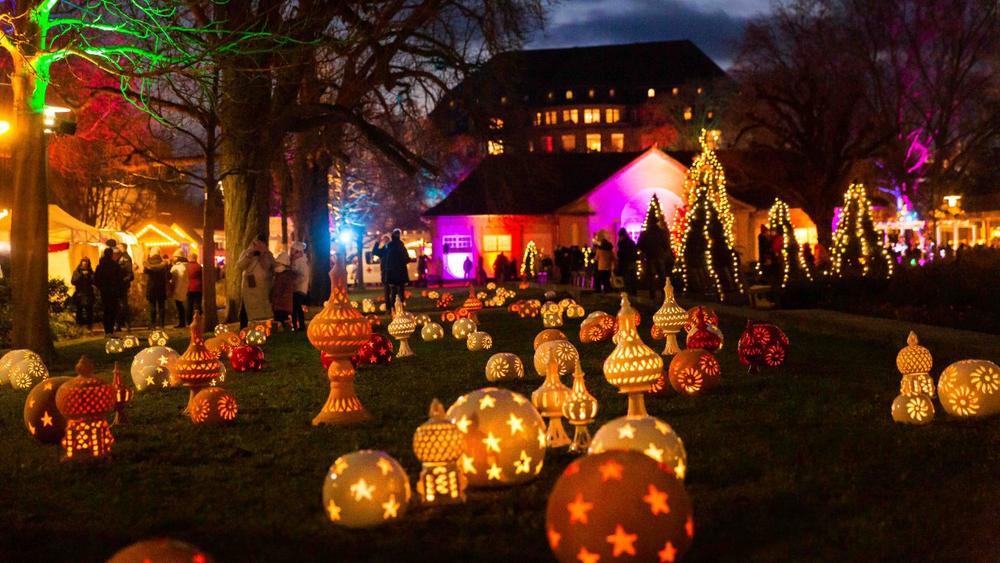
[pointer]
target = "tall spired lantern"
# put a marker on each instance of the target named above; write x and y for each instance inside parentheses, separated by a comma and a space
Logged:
(580, 409)
(339, 330)
(401, 328)
(197, 366)
(549, 399)
(670, 319)
(632, 366)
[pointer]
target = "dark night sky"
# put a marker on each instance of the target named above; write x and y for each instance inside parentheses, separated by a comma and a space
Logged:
(713, 25)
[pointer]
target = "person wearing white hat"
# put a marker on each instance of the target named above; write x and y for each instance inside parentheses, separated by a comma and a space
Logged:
(300, 297)
(283, 287)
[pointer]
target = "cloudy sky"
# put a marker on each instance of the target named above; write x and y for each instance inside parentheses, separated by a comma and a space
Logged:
(713, 25)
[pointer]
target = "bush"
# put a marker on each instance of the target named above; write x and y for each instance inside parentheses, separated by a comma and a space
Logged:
(61, 321)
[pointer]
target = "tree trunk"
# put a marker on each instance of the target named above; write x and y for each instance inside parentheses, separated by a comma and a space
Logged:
(208, 301)
(312, 211)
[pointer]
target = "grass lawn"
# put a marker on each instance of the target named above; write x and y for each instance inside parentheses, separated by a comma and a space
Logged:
(800, 463)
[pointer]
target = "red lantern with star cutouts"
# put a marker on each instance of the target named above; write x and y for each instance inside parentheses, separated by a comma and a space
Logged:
(616, 505)
(247, 358)
(762, 345)
(378, 351)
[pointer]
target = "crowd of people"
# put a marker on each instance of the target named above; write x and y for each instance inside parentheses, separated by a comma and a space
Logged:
(274, 287)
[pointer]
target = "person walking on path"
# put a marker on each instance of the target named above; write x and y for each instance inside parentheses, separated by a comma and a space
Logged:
(654, 243)
(283, 288)
(194, 288)
(83, 293)
(256, 265)
(157, 271)
(394, 266)
(628, 254)
(605, 254)
(300, 298)
(500, 268)
(179, 287)
(108, 279)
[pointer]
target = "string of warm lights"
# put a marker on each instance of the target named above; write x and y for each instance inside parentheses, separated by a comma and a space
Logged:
(779, 218)
(529, 265)
(855, 243)
(655, 213)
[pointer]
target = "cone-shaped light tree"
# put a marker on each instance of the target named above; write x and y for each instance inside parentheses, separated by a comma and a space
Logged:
(857, 251)
(529, 265)
(779, 218)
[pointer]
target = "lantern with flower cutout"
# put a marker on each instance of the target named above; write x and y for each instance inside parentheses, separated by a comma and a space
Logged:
(114, 345)
(161, 550)
(491, 286)
(365, 488)
(158, 338)
(130, 341)
(401, 328)
(152, 367)
(551, 307)
(700, 313)
(914, 404)
(479, 340)
(368, 305)
(378, 351)
(504, 365)
(431, 332)
(549, 399)
(565, 354)
(552, 320)
(504, 437)
(439, 446)
(462, 328)
(339, 330)
(247, 358)
(670, 319)
(580, 409)
(575, 311)
(22, 369)
(433, 294)
(694, 371)
(618, 504)
(632, 366)
(762, 345)
(646, 434)
(598, 327)
(123, 395)
(213, 405)
(85, 402)
(197, 366)
(41, 417)
(970, 388)
(548, 335)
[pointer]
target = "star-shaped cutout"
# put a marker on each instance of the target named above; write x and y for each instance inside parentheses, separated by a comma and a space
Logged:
(585, 556)
(31, 403)
(487, 402)
(339, 467)
(362, 489)
(554, 538)
(654, 452)
(657, 501)
(680, 469)
(541, 438)
(611, 469)
(493, 473)
(46, 419)
(622, 542)
(48, 386)
(578, 509)
(492, 443)
(150, 380)
(391, 508)
(165, 383)
(463, 424)
(523, 463)
(516, 424)
(518, 399)
(333, 510)
(668, 553)
(385, 465)
(689, 527)
(163, 360)
(663, 427)
(468, 465)
(627, 431)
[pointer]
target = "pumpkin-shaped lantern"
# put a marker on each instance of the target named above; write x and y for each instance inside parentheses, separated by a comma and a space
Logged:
(197, 366)
(22, 369)
(694, 371)
(247, 358)
(670, 319)
(130, 341)
(914, 404)
(41, 417)
(504, 365)
(762, 345)
(549, 399)
(646, 434)
(552, 319)
(401, 328)
(548, 335)
(85, 402)
(575, 311)
(431, 332)
(462, 328)
(580, 409)
(473, 304)
(479, 340)
(598, 327)
(697, 314)
(213, 405)
(565, 354)
(439, 446)
(970, 388)
(364, 489)
(704, 335)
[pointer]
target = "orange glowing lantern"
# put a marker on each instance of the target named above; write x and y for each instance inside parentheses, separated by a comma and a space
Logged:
(970, 388)
(158, 338)
(478, 341)
(123, 395)
(504, 365)
(473, 304)
(213, 405)
(575, 311)
(161, 550)
(692, 372)
(580, 409)
(700, 313)
(339, 330)
(616, 505)
(548, 335)
(85, 402)
(762, 345)
(151, 368)
(914, 404)
(646, 434)
(670, 319)
(364, 489)
(598, 327)
(632, 366)
(41, 417)
(549, 400)
(565, 354)
(401, 328)
(463, 328)
(431, 332)
(439, 446)
(197, 366)
(529, 309)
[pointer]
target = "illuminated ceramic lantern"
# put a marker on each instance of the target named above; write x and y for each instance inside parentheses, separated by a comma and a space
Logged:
(374, 320)
(552, 320)
(692, 372)
(548, 335)
(367, 306)
(575, 311)
(85, 402)
(364, 489)
(478, 341)
(161, 550)
(970, 388)
(646, 434)
(698, 314)
(632, 366)
(213, 405)
(565, 354)
(598, 327)
(704, 336)
(915, 362)
(114, 346)
(433, 295)
(670, 319)
(473, 304)
(491, 286)
(444, 300)
(339, 330)
(529, 309)
(378, 351)
(549, 295)
(431, 332)
(504, 437)
(618, 505)
(549, 399)
(247, 358)
(580, 409)
(221, 329)
(463, 328)
(22, 369)
(123, 395)
(41, 417)
(151, 368)
(762, 345)
(255, 337)
(422, 319)
(504, 366)
(158, 338)
(439, 446)
(197, 366)
(551, 307)
(401, 328)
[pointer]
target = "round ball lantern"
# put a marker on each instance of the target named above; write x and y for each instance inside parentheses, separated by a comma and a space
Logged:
(645, 434)
(529, 309)
(552, 320)
(158, 338)
(463, 328)
(130, 341)
(213, 405)
(491, 286)
(575, 311)
(85, 402)
(221, 329)
(692, 372)
(704, 336)
(422, 319)
(22, 368)
(551, 307)
(478, 341)
(549, 295)
(970, 388)
(439, 446)
(378, 351)
(433, 294)
(548, 335)
(197, 366)
(504, 365)
(247, 358)
(504, 437)
(618, 505)
(564, 353)
(632, 366)
(114, 345)
(401, 328)
(762, 345)
(256, 336)
(915, 362)
(598, 327)
(41, 417)
(669, 319)
(431, 332)
(699, 314)
(161, 550)
(368, 306)
(364, 489)
(151, 367)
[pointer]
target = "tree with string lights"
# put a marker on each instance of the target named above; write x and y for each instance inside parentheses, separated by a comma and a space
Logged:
(793, 263)
(529, 264)
(857, 250)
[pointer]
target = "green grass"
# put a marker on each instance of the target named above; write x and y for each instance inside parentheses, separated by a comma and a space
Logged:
(800, 463)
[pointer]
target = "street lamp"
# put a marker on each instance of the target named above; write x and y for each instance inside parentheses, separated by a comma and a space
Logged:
(4, 127)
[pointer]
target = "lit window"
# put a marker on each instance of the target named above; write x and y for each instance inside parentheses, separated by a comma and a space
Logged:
(547, 141)
(675, 91)
(496, 123)
(611, 93)
(551, 118)
(592, 115)
(456, 242)
(496, 243)
(612, 115)
(650, 93)
(590, 93)
(494, 147)
(688, 113)
(571, 116)
(568, 142)
(617, 142)
(594, 142)
(700, 90)
(569, 94)
(538, 119)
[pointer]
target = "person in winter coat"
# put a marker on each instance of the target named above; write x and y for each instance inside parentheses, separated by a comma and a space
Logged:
(256, 264)
(380, 250)
(655, 246)
(300, 298)
(179, 287)
(83, 293)
(124, 320)
(194, 287)
(108, 279)
(396, 275)
(157, 272)
(500, 268)
(283, 288)
(605, 255)
(628, 254)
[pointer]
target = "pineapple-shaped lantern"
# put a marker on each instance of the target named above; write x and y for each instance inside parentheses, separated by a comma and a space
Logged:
(85, 402)
(340, 330)
(549, 399)
(401, 328)
(439, 445)
(197, 366)
(123, 395)
(914, 404)
(670, 319)
(473, 304)
(580, 409)
(632, 366)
